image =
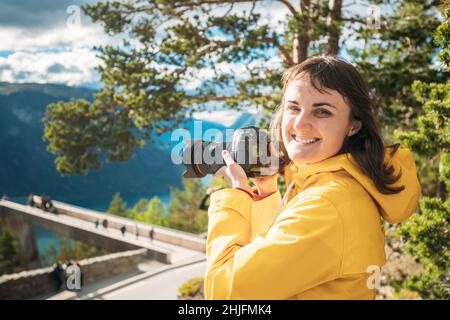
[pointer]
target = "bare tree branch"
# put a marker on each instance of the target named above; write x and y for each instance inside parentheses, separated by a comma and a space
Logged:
(287, 57)
(289, 6)
(353, 20)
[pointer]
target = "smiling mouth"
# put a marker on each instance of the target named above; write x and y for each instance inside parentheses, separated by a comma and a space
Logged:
(304, 141)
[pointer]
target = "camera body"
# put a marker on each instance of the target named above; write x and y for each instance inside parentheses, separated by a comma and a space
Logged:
(249, 148)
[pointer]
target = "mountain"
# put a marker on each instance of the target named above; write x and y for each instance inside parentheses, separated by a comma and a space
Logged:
(26, 166)
(245, 120)
(53, 90)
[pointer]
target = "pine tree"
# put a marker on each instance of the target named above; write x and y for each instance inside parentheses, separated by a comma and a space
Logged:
(139, 207)
(427, 234)
(184, 213)
(174, 43)
(11, 255)
(396, 49)
(70, 249)
(154, 213)
(118, 207)
(158, 212)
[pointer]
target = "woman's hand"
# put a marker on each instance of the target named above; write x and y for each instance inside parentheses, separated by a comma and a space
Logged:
(212, 189)
(233, 173)
(236, 177)
(266, 184)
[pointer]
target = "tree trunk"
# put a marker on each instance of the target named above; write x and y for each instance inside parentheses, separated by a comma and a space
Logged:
(334, 31)
(301, 39)
(441, 188)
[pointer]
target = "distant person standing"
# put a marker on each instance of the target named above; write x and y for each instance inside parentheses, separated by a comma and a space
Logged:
(151, 234)
(96, 222)
(44, 202)
(47, 204)
(137, 232)
(51, 207)
(30, 200)
(58, 275)
(105, 224)
(123, 230)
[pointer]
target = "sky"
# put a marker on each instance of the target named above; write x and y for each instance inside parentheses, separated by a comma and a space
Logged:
(43, 42)
(40, 43)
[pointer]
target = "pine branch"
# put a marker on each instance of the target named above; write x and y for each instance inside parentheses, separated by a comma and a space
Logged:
(289, 6)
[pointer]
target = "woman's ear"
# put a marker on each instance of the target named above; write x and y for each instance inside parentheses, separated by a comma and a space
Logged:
(355, 127)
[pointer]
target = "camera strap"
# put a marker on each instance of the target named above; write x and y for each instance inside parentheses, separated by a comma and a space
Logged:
(283, 200)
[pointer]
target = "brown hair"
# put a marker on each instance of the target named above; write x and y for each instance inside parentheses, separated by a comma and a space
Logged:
(366, 146)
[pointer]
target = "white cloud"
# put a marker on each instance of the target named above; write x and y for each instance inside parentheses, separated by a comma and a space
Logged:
(192, 82)
(63, 54)
(73, 67)
(223, 117)
(18, 39)
(272, 13)
(60, 54)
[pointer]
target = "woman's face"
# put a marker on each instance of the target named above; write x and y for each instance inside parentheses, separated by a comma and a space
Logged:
(314, 124)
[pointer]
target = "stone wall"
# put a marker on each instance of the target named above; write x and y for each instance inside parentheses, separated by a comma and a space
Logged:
(105, 266)
(32, 283)
(27, 284)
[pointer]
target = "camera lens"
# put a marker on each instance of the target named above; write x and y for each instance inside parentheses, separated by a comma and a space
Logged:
(202, 158)
(249, 148)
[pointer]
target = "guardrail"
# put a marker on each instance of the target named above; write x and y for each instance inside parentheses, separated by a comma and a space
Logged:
(172, 236)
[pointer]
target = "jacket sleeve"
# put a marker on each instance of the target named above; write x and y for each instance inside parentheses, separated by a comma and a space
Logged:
(301, 250)
(263, 213)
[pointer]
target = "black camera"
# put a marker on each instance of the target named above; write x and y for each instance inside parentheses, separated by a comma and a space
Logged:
(249, 148)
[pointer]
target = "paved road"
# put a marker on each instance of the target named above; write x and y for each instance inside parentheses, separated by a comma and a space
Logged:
(163, 286)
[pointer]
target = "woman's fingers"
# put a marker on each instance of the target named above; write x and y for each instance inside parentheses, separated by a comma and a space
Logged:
(266, 184)
(232, 172)
(229, 162)
(220, 173)
(227, 157)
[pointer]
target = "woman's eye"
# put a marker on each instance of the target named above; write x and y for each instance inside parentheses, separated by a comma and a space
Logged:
(293, 107)
(323, 112)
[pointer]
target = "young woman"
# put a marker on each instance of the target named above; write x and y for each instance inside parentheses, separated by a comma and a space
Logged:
(324, 239)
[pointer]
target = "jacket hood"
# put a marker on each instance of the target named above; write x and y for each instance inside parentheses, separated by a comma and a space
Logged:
(394, 208)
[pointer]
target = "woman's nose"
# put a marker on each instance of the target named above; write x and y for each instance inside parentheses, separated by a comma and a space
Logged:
(302, 122)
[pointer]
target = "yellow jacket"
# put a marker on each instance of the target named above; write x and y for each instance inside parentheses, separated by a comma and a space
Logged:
(326, 242)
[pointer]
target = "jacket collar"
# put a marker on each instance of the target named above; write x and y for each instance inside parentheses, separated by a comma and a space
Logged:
(301, 172)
